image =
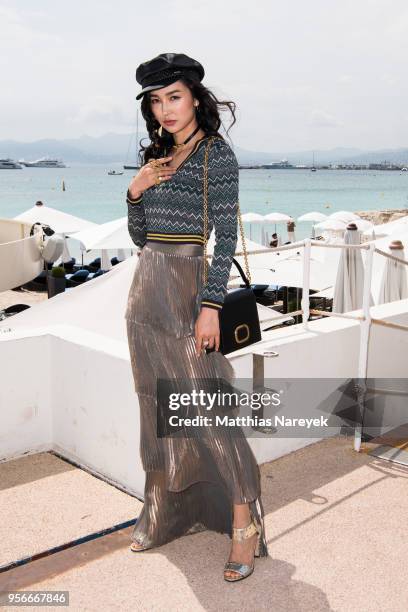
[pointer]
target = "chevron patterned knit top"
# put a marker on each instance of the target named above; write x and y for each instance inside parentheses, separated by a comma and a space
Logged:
(172, 212)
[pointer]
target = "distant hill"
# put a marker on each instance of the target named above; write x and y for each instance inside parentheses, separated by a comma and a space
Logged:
(118, 148)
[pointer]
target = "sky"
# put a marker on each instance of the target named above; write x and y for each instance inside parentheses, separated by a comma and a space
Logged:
(304, 75)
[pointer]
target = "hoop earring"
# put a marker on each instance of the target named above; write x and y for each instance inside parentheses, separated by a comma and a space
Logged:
(160, 131)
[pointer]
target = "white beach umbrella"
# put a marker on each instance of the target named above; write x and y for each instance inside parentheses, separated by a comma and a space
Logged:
(387, 229)
(326, 293)
(286, 268)
(268, 315)
(60, 222)
(250, 245)
(289, 273)
(332, 224)
(379, 261)
(394, 285)
(344, 215)
(335, 224)
(312, 216)
(363, 224)
(66, 255)
(111, 235)
(348, 288)
(265, 260)
(252, 217)
(277, 217)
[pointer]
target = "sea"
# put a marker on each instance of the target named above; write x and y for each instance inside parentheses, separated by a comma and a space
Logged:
(94, 195)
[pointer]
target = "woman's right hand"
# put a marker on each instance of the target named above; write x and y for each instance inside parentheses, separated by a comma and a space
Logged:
(147, 176)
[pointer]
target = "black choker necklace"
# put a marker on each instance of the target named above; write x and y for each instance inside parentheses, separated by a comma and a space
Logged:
(181, 145)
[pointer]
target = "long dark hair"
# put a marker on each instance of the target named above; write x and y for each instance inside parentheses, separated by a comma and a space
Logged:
(207, 114)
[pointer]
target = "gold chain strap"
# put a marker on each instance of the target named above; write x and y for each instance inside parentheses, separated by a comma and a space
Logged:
(205, 268)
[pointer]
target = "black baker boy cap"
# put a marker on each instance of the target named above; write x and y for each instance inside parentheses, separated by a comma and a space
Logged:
(166, 68)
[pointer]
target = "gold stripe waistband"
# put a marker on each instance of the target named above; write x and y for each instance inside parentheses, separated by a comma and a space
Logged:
(191, 238)
(178, 248)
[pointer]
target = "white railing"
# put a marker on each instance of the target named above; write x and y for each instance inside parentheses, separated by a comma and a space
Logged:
(366, 320)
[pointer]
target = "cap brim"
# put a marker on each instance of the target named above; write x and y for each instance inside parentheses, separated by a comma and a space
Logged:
(149, 88)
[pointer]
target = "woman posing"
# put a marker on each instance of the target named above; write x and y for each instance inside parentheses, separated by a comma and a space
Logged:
(193, 482)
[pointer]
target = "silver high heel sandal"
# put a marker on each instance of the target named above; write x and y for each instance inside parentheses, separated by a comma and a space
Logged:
(241, 568)
(139, 546)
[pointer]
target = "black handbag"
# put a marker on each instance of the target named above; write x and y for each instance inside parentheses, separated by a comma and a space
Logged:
(238, 317)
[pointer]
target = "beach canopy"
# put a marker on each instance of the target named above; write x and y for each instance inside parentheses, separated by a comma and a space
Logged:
(267, 317)
(363, 224)
(325, 293)
(379, 261)
(66, 255)
(277, 217)
(394, 285)
(96, 306)
(250, 244)
(289, 272)
(332, 225)
(348, 288)
(286, 268)
(252, 217)
(335, 224)
(20, 253)
(312, 216)
(387, 229)
(110, 235)
(60, 222)
(344, 215)
(263, 260)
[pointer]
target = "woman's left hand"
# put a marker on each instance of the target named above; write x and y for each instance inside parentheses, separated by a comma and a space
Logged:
(207, 327)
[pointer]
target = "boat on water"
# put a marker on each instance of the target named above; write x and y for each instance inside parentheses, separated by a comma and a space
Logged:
(43, 162)
(9, 164)
(313, 168)
(114, 173)
(135, 166)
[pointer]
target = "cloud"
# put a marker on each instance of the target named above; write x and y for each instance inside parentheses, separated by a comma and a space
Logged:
(345, 79)
(330, 70)
(320, 118)
(101, 110)
(17, 33)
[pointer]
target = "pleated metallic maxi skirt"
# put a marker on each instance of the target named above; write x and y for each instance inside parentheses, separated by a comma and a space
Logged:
(191, 482)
